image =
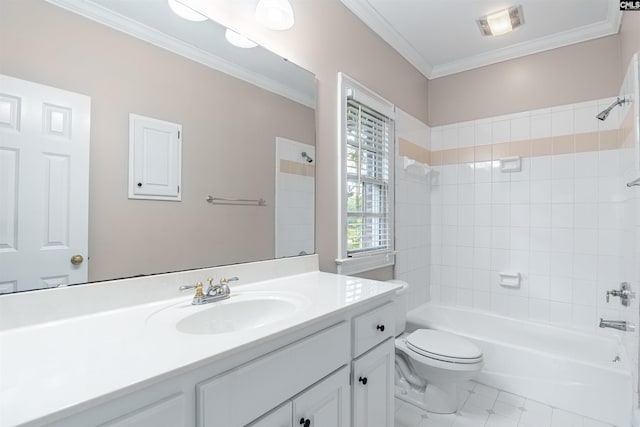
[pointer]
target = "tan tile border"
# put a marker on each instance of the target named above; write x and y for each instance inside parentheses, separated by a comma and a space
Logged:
(297, 168)
(566, 144)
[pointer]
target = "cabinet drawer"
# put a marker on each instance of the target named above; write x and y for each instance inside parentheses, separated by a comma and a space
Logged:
(239, 396)
(372, 328)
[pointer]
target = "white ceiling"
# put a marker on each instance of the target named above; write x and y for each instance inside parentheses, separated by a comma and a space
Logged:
(441, 37)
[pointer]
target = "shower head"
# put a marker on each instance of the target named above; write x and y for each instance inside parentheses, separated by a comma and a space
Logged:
(307, 157)
(605, 113)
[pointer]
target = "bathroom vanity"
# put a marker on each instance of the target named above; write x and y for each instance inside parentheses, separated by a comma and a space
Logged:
(292, 346)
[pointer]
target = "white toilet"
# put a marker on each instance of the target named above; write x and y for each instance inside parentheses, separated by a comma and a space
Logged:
(431, 364)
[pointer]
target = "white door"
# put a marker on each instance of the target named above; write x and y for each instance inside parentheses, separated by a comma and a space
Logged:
(373, 386)
(44, 185)
(326, 404)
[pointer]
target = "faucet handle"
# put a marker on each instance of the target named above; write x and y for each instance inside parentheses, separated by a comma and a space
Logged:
(197, 287)
(224, 285)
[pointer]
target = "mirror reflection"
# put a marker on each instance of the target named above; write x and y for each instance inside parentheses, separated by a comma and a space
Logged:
(120, 158)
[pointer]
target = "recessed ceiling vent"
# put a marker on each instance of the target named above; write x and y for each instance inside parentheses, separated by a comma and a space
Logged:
(501, 22)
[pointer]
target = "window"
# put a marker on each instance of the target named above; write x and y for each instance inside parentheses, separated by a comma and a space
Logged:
(367, 130)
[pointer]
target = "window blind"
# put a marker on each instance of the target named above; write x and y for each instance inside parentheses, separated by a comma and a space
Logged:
(368, 151)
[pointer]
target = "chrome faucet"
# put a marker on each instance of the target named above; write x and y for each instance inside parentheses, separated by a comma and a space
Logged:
(624, 293)
(213, 293)
(620, 325)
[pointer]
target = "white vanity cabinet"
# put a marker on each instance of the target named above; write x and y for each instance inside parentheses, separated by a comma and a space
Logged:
(334, 369)
(238, 397)
(325, 404)
(373, 367)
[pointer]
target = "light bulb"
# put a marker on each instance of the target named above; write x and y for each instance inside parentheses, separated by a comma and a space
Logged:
(275, 14)
(238, 39)
(186, 12)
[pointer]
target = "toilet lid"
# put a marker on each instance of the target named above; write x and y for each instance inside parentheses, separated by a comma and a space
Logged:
(443, 346)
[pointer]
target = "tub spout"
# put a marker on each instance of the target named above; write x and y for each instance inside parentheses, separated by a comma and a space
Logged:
(620, 325)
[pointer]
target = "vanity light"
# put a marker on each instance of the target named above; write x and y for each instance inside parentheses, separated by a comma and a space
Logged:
(275, 14)
(501, 22)
(185, 12)
(238, 39)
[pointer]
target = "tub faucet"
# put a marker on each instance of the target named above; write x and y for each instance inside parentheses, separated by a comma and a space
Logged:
(620, 325)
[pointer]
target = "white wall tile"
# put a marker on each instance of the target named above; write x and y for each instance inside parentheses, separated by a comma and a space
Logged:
(560, 313)
(540, 215)
(541, 124)
(539, 287)
(539, 310)
(586, 215)
(541, 239)
(562, 122)
(449, 137)
(586, 164)
(483, 132)
(562, 190)
(520, 216)
(541, 168)
(563, 223)
(585, 118)
(501, 131)
(519, 192)
(466, 135)
(482, 300)
(585, 190)
(521, 128)
(609, 163)
(562, 215)
(562, 166)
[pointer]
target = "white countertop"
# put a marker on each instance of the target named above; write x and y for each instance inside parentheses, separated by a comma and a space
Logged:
(48, 367)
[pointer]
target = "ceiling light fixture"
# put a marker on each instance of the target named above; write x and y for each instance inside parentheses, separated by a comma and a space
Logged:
(238, 40)
(275, 14)
(501, 22)
(186, 12)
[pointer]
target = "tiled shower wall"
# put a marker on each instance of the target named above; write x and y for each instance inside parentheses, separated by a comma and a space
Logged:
(630, 167)
(412, 209)
(561, 222)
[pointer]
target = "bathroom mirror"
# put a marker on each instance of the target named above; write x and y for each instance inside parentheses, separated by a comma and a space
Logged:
(246, 117)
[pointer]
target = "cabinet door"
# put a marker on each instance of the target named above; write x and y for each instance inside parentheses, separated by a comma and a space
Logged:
(155, 159)
(326, 404)
(373, 386)
(279, 417)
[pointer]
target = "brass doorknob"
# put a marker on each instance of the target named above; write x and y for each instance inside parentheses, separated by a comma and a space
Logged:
(77, 259)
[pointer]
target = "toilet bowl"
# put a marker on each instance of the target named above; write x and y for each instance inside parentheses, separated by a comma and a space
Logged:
(431, 364)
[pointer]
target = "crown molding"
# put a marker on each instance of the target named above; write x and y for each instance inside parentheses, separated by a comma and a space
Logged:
(367, 13)
(157, 38)
(566, 38)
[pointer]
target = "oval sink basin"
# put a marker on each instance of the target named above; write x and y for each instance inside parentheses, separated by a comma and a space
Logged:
(233, 316)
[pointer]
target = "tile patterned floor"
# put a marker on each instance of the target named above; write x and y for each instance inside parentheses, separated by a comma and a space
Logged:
(487, 407)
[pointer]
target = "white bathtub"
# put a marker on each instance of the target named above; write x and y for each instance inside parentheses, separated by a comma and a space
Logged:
(566, 369)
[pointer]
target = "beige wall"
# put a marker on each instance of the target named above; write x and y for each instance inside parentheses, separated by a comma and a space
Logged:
(326, 39)
(222, 155)
(629, 39)
(571, 74)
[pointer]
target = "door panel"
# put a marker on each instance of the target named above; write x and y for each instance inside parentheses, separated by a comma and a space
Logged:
(44, 185)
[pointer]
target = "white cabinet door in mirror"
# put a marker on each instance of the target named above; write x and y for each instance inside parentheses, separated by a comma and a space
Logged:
(155, 159)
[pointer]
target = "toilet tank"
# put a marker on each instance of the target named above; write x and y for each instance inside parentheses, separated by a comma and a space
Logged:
(400, 306)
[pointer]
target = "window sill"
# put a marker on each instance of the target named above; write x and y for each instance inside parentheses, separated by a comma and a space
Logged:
(360, 264)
